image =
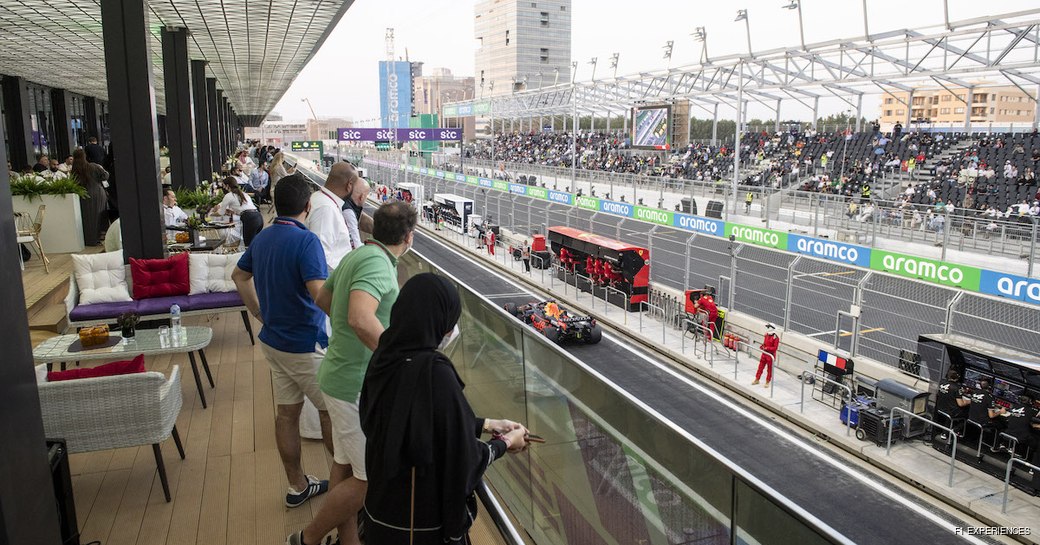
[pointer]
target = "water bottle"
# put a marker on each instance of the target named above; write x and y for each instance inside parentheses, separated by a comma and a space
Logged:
(175, 322)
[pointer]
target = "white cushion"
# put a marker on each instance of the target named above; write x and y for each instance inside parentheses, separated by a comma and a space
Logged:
(101, 278)
(211, 273)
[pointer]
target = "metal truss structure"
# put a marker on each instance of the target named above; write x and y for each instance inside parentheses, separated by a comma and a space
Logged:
(962, 54)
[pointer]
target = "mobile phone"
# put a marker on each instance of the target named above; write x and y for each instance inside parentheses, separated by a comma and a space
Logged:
(532, 438)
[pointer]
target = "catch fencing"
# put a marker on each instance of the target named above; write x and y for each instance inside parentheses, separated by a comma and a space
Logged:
(798, 293)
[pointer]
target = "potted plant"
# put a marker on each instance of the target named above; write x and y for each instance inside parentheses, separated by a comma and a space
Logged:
(62, 227)
(195, 223)
(127, 323)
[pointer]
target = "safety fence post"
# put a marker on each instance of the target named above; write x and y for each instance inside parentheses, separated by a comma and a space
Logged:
(950, 309)
(790, 292)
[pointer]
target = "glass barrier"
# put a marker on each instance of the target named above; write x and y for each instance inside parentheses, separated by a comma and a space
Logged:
(610, 471)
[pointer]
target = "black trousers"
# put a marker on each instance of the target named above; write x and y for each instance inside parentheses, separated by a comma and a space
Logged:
(252, 223)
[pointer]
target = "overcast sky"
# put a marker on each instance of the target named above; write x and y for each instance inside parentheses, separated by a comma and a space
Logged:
(342, 79)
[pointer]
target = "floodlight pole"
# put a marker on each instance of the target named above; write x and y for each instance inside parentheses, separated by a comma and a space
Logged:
(866, 27)
(736, 137)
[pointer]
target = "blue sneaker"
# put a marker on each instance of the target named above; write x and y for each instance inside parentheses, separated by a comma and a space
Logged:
(314, 488)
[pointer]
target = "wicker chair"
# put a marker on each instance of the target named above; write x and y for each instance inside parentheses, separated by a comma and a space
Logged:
(114, 412)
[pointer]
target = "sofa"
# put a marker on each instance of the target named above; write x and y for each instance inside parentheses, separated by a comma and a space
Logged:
(109, 412)
(102, 287)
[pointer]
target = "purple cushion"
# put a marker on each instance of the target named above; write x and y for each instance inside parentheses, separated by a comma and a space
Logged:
(204, 301)
(161, 305)
(101, 311)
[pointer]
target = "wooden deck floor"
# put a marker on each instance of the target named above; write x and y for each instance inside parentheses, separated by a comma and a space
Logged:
(229, 490)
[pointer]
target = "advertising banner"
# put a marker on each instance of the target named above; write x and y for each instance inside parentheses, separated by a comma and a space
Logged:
(561, 197)
(588, 203)
(654, 215)
(518, 189)
(929, 270)
(537, 192)
(699, 224)
(368, 134)
(848, 254)
(1011, 286)
(616, 208)
(757, 236)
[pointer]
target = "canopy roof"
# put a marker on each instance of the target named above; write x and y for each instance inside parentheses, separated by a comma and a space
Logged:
(254, 48)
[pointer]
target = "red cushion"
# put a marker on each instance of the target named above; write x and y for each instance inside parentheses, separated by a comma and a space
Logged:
(128, 367)
(160, 277)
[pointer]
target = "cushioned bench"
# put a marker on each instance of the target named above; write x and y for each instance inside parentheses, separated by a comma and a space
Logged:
(110, 284)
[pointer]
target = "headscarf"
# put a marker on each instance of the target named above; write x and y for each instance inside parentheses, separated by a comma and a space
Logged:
(396, 402)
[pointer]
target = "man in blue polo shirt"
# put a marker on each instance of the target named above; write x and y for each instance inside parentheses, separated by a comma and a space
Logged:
(279, 277)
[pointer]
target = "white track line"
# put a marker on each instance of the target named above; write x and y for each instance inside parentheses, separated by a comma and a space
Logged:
(866, 480)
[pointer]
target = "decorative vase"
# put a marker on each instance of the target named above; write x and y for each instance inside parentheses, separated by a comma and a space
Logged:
(128, 332)
(194, 237)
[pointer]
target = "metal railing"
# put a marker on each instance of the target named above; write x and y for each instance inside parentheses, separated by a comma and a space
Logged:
(702, 331)
(818, 376)
(664, 321)
(1007, 478)
(772, 361)
(952, 434)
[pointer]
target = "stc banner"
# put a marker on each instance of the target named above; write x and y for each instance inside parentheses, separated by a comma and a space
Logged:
(402, 135)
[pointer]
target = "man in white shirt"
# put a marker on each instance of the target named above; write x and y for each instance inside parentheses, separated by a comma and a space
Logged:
(326, 217)
(172, 214)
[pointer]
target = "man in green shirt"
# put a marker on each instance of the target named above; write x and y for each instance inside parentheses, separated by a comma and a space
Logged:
(357, 297)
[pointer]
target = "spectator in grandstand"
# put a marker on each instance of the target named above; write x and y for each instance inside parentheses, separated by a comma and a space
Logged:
(897, 131)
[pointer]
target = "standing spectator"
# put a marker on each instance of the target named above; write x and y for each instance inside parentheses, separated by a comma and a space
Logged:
(95, 153)
(897, 131)
(277, 169)
(90, 176)
(358, 298)
(425, 455)
(770, 344)
(237, 204)
(279, 277)
(326, 219)
(353, 210)
(747, 202)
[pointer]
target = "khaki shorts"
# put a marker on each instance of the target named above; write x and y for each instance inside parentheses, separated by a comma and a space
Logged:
(348, 440)
(295, 375)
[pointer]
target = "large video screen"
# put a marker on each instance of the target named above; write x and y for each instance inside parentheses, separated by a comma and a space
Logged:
(652, 127)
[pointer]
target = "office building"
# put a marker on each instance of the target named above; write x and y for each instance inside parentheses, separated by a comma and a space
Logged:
(999, 105)
(442, 87)
(396, 90)
(521, 44)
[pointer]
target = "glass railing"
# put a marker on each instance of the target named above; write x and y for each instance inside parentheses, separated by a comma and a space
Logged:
(612, 470)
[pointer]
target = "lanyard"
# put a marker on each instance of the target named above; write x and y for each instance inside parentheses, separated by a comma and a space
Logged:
(287, 222)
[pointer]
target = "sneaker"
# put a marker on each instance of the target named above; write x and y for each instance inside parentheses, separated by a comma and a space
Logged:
(755, 383)
(766, 384)
(314, 488)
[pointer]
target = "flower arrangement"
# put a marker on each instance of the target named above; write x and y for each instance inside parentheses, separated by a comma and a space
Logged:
(195, 222)
(34, 186)
(127, 323)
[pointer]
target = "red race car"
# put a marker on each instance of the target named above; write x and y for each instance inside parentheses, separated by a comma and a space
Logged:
(557, 324)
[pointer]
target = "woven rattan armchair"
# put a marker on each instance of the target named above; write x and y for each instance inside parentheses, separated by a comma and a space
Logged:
(103, 413)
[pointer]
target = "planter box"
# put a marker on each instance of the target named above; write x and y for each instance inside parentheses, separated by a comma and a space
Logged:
(62, 223)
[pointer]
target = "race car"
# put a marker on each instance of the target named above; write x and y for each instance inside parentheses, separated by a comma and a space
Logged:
(558, 325)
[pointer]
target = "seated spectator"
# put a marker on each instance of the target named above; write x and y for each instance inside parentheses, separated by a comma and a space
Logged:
(43, 163)
(173, 216)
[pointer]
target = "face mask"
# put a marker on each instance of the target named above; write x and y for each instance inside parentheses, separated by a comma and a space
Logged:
(449, 338)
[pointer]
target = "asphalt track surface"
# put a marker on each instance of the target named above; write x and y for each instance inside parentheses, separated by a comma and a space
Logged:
(856, 504)
(819, 291)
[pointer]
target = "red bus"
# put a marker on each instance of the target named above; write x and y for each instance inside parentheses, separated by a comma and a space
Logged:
(607, 262)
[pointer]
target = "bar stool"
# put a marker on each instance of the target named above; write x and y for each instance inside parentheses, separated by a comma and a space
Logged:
(983, 428)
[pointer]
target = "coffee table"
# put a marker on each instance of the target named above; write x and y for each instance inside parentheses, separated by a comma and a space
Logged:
(146, 341)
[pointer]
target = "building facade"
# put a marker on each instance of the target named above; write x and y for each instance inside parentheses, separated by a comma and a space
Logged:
(1003, 106)
(440, 87)
(521, 44)
(325, 128)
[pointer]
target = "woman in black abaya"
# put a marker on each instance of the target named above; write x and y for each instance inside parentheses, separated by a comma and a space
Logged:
(424, 455)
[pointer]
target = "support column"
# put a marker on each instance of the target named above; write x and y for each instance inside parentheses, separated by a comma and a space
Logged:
(776, 124)
(228, 130)
(201, 115)
(221, 132)
(26, 518)
(91, 121)
(969, 99)
(214, 132)
(128, 67)
(815, 112)
(736, 138)
(859, 112)
(910, 110)
(180, 124)
(715, 126)
(64, 143)
(160, 125)
(19, 124)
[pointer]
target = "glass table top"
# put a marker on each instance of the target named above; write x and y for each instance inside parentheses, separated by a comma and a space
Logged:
(146, 341)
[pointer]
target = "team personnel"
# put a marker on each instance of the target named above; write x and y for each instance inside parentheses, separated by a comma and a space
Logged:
(706, 304)
(769, 346)
(951, 399)
(279, 277)
(357, 297)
